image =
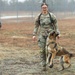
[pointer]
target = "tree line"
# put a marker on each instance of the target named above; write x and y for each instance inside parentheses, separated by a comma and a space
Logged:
(35, 5)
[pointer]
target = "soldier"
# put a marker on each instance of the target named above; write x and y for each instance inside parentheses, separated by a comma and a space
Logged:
(46, 22)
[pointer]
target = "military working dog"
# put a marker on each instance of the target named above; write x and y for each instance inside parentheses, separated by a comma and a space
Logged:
(54, 49)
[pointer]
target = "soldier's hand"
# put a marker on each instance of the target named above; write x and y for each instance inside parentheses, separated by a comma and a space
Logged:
(34, 38)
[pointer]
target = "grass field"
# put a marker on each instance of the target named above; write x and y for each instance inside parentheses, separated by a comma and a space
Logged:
(19, 55)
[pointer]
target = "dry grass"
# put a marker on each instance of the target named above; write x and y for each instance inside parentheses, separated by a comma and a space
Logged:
(17, 49)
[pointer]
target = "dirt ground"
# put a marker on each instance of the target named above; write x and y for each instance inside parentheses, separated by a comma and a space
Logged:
(19, 55)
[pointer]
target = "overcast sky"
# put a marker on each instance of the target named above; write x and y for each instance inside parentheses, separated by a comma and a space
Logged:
(18, 0)
(24, 0)
(21, 0)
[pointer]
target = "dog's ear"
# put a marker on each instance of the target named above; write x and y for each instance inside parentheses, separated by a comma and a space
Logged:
(51, 35)
(57, 34)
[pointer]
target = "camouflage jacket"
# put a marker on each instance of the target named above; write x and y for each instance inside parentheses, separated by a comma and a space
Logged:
(45, 24)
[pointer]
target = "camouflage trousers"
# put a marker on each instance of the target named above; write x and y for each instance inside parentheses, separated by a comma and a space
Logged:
(42, 45)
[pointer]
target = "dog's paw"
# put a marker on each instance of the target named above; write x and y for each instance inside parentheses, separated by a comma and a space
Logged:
(51, 66)
(61, 69)
(68, 66)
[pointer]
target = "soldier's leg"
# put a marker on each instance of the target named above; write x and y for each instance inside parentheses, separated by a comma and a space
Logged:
(42, 44)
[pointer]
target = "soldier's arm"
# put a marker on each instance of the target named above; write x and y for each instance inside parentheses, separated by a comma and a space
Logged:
(36, 27)
(55, 23)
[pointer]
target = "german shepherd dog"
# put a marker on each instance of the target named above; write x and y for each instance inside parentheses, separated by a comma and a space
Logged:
(53, 50)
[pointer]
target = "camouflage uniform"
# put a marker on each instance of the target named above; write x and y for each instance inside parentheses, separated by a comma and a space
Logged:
(44, 27)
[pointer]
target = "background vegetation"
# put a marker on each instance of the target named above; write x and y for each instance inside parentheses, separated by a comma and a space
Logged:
(29, 5)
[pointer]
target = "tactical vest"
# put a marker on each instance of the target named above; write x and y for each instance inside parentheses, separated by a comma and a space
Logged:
(52, 21)
(46, 23)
